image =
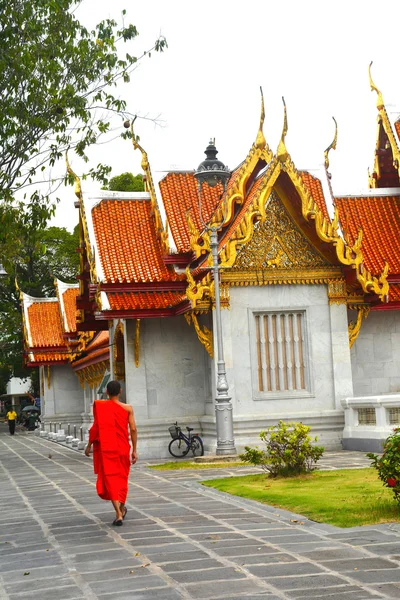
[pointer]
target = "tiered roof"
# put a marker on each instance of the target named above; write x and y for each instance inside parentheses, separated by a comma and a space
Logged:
(43, 335)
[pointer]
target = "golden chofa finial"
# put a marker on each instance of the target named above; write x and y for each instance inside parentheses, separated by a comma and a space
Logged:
(331, 146)
(379, 101)
(282, 153)
(145, 161)
(261, 142)
(78, 190)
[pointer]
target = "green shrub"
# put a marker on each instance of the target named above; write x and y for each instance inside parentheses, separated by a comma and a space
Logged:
(388, 465)
(289, 450)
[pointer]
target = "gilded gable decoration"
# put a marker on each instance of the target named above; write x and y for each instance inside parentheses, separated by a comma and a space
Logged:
(277, 243)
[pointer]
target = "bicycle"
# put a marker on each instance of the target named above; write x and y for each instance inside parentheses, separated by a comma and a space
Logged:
(181, 445)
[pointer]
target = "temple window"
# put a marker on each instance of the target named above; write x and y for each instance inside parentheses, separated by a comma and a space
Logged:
(366, 416)
(281, 351)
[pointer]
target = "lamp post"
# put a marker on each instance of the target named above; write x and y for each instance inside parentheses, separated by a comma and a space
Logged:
(212, 171)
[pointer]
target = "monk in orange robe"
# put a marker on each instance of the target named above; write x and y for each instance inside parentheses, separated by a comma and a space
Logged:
(111, 449)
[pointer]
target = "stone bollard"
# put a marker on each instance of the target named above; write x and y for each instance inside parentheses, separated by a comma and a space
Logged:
(81, 443)
(75, 440)
(69, 429)
(60, 435)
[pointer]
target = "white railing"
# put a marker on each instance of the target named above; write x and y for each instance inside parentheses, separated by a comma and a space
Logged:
(369, 420)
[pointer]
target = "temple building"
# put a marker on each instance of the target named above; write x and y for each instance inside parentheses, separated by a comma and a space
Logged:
(309, 303)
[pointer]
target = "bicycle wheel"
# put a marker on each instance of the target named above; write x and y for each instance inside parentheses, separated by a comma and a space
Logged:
(178, 448)
(196, 447)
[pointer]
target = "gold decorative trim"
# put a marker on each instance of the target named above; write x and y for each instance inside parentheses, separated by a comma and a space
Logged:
(261, 142)
(282, 153)
(137, 341)
(48, 374)
(281, 276)
(149, 185)
(332, 146)
(385, 121)
(93, 374)
(119, 352)
(337, 291)
(203, 333)
(196, 292)
(83, 230)
(355, 326)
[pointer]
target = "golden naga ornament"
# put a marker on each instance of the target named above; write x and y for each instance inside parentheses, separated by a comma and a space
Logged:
(355, 326)
(203, 333)
(149, 186)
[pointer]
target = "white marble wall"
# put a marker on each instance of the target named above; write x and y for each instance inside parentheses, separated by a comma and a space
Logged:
(241, 356)
(170, 381)
(375, 354)
(64, 400)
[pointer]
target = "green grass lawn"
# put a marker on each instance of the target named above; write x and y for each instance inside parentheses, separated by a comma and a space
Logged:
(345, 498)
(189, 464)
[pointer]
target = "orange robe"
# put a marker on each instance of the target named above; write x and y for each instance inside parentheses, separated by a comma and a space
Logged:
(111, 449)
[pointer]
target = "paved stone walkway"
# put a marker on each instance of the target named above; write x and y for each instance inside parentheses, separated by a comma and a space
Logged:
(179, 540)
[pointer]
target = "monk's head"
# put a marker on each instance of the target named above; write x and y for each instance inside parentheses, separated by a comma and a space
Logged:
(113, 388)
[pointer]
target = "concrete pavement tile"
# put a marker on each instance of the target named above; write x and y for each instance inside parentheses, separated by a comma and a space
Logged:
(131, 572)
(192, 565)
(104, 565)
(345, 592)
(364, 537)
(308, 582)
(243, 551)
(222, 573)
(377, 576)
(156, 541)
(265, 559)
(103, 555)
(55, 593)
(284, 570)
(126, 585)
(391, 590)
(36, 572)
(167, 549)
(37, 584)
(242, 543)
(224, 589)
(325, 555)
(358, 564)
(383, 549)
(28, 563)
(173, 557)
(9, 550)
(156, 594)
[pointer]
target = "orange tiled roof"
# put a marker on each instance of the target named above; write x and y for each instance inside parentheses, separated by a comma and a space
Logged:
(179, 192)
(144, 300)
(379, 219)
(127, 242)
(314, 186)
(45, 324)
(180, 195)
(49, 357)
(394, 292)
(100, 354)
(101, 339)
(69, 300)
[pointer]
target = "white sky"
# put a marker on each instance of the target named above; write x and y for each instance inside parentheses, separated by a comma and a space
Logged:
(315, 53)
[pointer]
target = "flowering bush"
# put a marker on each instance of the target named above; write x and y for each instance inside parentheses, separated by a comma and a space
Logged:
(388, 465)
(289, 450)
